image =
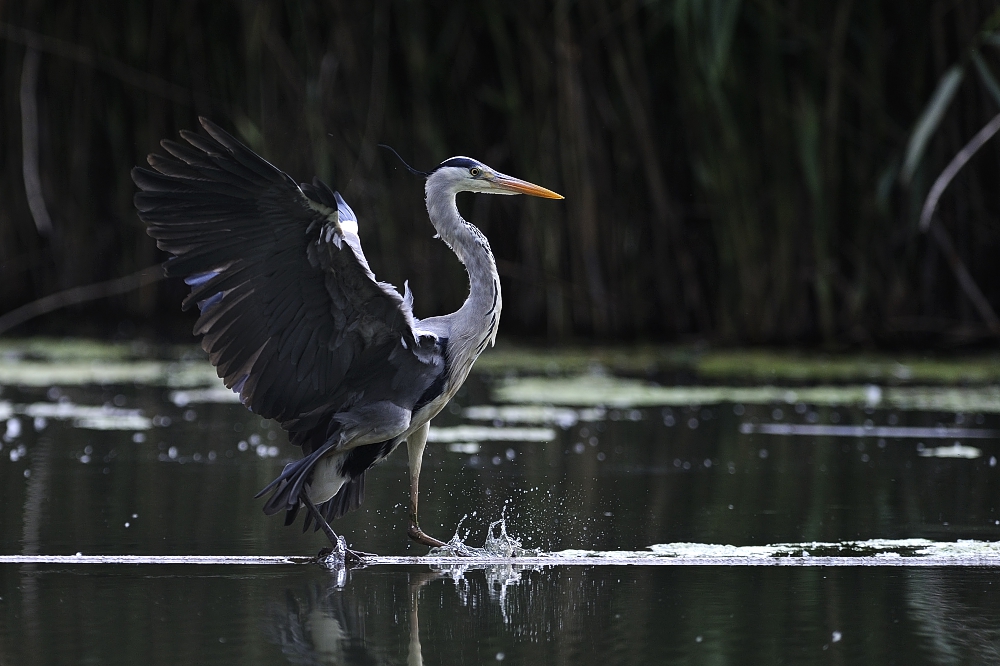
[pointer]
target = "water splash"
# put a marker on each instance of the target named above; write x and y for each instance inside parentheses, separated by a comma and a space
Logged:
(499, 544)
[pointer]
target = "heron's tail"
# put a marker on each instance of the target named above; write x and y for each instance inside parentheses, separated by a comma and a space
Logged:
(289, 484)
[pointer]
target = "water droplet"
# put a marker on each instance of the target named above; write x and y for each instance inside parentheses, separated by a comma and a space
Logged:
(13, 429)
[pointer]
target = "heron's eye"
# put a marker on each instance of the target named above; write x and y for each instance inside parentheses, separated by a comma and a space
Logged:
(475, 172)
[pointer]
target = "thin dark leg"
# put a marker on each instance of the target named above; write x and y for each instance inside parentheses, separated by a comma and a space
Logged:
(325, 526)
(337, 541)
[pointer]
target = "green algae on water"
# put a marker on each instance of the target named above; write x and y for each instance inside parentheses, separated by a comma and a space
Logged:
(593, 390)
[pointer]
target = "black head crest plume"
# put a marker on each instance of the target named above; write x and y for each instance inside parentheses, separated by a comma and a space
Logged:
(415, 172)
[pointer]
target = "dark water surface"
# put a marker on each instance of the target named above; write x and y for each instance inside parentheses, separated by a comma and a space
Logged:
(160, 467)
(573, 615)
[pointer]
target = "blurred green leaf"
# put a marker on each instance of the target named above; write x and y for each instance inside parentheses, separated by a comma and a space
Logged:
(986, 76)
(929, 121)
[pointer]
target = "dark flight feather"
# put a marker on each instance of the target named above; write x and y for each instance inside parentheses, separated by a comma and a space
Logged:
(291, 314)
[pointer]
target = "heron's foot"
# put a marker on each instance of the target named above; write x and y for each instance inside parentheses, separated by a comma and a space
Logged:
(340, 554)
(350, 557)
(418, 535)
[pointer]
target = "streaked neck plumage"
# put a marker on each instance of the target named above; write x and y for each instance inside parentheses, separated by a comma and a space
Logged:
(474, 325)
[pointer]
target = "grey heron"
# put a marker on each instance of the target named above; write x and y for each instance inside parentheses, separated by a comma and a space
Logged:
(295, 322)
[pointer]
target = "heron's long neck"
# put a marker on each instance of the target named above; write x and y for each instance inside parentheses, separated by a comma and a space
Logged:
(479, 316)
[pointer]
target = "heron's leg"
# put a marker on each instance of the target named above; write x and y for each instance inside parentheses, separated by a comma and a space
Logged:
(337, 541)
(321, 521)
(415, 452)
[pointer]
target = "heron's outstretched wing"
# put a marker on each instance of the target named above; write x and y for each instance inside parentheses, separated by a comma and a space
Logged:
(291, 315)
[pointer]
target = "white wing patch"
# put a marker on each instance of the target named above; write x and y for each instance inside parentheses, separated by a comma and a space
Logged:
(350, 226)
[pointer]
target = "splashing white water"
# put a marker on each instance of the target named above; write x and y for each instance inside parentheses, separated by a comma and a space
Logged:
(499, 544)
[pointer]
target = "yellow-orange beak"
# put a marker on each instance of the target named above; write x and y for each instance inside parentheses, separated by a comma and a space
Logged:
(523, 187)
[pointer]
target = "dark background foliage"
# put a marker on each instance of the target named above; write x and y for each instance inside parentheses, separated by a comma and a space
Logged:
(731, 169)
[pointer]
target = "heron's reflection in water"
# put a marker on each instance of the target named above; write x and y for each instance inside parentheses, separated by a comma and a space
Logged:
(338, 622)
(321, 626)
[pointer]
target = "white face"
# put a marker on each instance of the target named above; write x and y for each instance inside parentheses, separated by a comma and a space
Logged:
(463, 174)
(472, 177)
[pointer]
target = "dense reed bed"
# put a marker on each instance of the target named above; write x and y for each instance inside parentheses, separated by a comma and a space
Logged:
(732, 169)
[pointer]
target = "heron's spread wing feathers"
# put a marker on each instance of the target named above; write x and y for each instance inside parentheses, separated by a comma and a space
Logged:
(291, 314)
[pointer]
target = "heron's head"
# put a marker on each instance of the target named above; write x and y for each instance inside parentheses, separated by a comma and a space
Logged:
(464, 174)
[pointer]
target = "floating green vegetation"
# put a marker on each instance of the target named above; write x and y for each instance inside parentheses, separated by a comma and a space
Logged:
(73, 373)
(956, 450)
(81, 416)
(217, 393)
(86, 349)
(78, 361)
(770, 366)
(592, 390)
(564, 417)
(471, 433)
(891, 548)
(746, 364)
(99, 372)
(46, 361)
(506, 358)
